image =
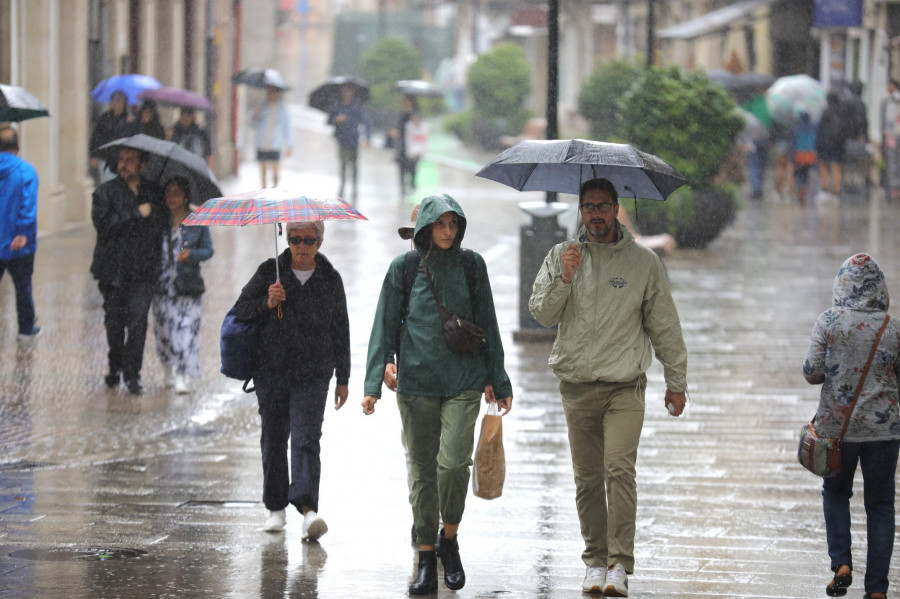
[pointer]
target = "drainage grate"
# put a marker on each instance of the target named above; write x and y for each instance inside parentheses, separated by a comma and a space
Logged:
(99, 554)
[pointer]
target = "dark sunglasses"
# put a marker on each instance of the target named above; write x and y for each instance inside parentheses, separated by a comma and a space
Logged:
(298, 240)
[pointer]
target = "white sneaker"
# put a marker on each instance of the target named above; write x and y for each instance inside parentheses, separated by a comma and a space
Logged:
(594, 579)
(313, 526)
(181, 386)
(616, 582)
(275, 523)
(168, 376)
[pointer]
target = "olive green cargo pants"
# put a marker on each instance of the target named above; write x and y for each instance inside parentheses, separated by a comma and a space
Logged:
(440, 436)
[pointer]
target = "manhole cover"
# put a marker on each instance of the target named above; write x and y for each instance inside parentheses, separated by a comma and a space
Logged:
(66, 554)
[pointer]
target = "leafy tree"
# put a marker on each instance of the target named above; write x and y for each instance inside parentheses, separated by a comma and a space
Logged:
(389, 60)
(600, 97)
(684, 118)
(499, 81)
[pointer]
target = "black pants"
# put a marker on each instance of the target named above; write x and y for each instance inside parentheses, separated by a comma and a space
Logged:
(292, 412)
(21, 270)
(125, 318)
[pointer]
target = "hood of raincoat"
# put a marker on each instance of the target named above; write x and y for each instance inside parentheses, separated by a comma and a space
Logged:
(430, 210)
(860, 285)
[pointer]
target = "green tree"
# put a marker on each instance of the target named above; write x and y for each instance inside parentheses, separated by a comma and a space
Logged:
(684, 118)
(600, 97)
(499, 81)
(389, 60)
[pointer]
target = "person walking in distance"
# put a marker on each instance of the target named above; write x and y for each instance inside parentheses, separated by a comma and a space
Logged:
(347, 116)
(611, 301)
(18, 227)
(130, 216)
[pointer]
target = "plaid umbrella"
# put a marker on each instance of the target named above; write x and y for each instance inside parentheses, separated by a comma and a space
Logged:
(271, 205)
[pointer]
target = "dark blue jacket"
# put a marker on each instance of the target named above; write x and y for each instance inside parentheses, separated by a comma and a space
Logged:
(18, 205)
(347, 132)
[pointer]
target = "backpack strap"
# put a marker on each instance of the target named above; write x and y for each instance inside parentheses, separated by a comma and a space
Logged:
(410, 266)
(468, 262)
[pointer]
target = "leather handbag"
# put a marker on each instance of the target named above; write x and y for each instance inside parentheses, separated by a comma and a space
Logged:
(189, 282)
(461, 335)
(822, 455)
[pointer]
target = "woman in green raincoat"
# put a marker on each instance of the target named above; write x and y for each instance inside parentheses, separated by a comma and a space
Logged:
(438, 389)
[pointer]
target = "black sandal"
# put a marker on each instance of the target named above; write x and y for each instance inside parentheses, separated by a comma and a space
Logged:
(839, 583)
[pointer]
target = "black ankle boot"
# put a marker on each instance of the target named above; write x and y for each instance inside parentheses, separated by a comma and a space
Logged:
(454, 577)
(426, 581)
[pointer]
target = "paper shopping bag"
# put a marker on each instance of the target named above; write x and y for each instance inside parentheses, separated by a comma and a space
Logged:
(490, 461)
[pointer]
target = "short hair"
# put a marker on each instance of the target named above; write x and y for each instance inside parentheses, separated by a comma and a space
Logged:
(9, 140)
(600, 184)
(317, 225)
(143, 155)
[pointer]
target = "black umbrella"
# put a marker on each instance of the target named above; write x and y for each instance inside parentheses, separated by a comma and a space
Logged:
(168, 160)
(417, 87)
(16, 104)
(329, 93)
(563, 165)
(259, 77)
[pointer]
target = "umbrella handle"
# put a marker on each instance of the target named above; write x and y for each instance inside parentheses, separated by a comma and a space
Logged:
(277, 273)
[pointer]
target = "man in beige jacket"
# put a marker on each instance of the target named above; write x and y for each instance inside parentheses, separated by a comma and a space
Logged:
(611, 301)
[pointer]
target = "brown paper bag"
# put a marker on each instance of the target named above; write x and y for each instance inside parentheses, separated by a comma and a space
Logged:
(490, 461)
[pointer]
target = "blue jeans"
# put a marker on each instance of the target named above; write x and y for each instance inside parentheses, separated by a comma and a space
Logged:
(21, 270)
(878, 460)
(295, 412)
(756, 167)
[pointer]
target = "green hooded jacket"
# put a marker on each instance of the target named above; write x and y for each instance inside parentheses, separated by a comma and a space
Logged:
(426, 366)
(616, 306)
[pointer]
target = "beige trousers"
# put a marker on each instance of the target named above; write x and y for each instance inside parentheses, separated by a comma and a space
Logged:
(605, 421)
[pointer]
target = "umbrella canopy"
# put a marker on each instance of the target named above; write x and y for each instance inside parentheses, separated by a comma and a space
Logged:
(754, 130)
(270, 205)
(168, 160)
(329, 93)
(175, 96)
(131, 85)
(16, 104)
(417, 87)
(791, 95)
(259, 77)
(563, 165)
(740, 82)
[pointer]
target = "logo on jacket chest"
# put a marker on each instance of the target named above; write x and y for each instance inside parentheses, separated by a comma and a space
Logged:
(618, 282)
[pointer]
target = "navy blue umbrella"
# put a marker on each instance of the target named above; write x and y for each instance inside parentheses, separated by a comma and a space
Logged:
(563, 165)
(329, 93)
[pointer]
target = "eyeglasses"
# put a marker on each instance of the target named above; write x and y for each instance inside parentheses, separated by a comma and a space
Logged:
(603, 207)
(297, 240)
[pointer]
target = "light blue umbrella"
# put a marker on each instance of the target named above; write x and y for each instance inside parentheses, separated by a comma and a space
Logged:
(131, 85)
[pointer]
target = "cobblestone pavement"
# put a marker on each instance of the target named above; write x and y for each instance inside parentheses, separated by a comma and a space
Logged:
(103, 494)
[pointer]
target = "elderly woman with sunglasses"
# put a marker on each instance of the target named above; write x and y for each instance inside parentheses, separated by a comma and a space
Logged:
(304, 341)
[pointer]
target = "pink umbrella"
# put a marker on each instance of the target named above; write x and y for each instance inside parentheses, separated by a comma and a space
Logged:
(176, 96)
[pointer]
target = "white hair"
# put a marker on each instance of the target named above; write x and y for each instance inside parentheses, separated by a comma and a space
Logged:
(317, 225)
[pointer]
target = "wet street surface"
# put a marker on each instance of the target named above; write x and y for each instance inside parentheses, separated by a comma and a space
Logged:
(104, 494)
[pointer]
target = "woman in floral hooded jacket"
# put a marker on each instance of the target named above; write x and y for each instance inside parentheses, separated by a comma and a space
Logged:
(841, 341)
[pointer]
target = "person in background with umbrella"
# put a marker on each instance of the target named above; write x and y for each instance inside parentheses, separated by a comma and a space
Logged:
(299, 354)
(130, 216)
(758, 156)
(831, 135)
(148, 121)
(348, 116)
(273, 133)
(176, 311)
(112, 124)
(804, 153)
(612, 304)
(397, 136)
(191, 136)
(439, 390)
(18, 227)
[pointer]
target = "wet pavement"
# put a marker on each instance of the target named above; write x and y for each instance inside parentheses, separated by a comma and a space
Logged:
(104, 494)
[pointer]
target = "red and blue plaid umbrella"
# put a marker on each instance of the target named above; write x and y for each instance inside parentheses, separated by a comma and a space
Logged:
(271, 205)
(266, 206)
